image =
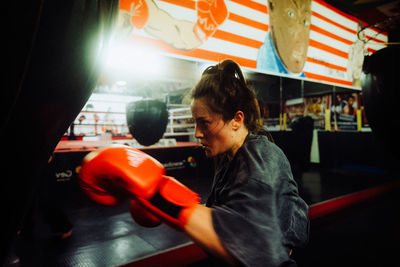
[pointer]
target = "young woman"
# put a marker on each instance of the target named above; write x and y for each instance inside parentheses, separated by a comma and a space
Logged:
(253, 215)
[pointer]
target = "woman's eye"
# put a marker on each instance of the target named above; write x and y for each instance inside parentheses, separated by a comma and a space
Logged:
(202, 124)
(291, 14)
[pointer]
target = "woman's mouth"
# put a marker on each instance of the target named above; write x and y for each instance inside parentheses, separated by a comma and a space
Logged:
(205, 147)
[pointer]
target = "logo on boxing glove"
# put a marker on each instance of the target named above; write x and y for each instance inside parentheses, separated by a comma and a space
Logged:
(135, 159)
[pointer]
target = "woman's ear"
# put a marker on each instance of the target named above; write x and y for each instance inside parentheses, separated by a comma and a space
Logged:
(238, 120)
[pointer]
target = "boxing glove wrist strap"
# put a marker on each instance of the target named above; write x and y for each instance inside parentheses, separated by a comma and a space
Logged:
(173, 202)
(166, 206)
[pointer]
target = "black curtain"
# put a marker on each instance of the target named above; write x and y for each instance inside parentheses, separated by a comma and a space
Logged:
(52, 63)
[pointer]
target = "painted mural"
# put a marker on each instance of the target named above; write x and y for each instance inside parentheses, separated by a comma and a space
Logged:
(303, 38)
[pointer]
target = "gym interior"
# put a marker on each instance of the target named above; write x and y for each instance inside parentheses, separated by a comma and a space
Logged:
(79, 70)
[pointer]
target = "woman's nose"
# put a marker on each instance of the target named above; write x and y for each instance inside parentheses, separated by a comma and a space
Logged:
(198, 133)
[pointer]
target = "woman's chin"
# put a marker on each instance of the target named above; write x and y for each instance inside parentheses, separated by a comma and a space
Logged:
(208, 152)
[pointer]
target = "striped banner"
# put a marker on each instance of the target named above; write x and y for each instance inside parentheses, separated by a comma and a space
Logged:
(332, 34)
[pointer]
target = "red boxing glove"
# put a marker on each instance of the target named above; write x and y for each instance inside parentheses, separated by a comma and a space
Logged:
(210, 14)
(112, 173)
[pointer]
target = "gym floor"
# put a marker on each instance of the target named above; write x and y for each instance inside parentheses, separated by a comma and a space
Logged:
(364, 235)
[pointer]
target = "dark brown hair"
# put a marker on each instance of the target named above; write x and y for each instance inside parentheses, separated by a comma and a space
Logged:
(226, 91)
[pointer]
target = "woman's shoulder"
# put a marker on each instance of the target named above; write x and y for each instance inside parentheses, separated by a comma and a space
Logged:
(263, 160)
(261, 145)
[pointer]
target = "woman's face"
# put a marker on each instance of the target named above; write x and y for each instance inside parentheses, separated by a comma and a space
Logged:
(215, 135)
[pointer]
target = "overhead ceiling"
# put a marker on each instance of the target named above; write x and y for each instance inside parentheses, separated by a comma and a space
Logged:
(381, 13)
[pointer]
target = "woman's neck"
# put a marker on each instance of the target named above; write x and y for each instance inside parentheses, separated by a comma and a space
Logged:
(240, 138)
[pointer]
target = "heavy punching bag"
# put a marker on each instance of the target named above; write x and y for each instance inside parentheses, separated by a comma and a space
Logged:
(51, 67)
(381, 96)
(147, 120)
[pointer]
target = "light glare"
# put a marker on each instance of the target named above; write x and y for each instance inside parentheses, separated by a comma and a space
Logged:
(134, 59)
